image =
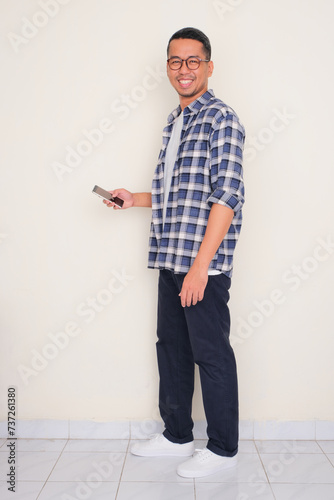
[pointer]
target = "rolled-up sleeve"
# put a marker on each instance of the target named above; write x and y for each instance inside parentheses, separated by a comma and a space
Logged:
(226, 148)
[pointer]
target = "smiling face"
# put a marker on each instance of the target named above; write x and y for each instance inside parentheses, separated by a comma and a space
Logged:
(189, 84)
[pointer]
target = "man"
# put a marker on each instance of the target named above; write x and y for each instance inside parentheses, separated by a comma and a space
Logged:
(197, 198)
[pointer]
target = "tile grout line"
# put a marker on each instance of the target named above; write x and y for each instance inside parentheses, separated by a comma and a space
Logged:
(330, 462)
(323, 451)
(269, 483)
(126, 451)
(125, 457)
(47, 479)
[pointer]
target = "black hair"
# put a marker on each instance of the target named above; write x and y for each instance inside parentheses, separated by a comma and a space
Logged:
(193, 34)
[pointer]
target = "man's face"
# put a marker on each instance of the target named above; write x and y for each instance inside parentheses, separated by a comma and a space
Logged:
(189, 84)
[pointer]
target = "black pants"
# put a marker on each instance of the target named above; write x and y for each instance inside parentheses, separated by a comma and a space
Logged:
(197, 334)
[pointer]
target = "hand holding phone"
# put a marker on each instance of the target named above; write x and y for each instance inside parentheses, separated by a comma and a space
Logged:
(102, 193)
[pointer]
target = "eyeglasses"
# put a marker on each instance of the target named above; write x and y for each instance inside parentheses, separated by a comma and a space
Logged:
(192, 62)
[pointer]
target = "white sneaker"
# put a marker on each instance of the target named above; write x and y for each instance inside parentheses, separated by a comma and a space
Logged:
(204, 463)
(159, 446)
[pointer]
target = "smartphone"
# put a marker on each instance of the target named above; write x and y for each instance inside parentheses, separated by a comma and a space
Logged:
(102, 193)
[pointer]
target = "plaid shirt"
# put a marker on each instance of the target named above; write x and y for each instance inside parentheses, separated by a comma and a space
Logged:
(208, 170)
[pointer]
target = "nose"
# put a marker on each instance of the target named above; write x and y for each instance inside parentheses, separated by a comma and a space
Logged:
(184, 68)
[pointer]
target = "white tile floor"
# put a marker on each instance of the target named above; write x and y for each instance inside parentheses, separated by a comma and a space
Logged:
(105, 470)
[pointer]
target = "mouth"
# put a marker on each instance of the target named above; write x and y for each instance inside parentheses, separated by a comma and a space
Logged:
(185, 82)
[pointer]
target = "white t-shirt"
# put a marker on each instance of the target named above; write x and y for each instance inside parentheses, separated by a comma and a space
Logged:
(171, 154)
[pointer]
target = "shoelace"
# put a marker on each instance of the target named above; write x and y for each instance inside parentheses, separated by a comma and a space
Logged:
(155, 437)
(203, 454)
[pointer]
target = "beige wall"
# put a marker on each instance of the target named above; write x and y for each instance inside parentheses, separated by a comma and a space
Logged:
(78, 304)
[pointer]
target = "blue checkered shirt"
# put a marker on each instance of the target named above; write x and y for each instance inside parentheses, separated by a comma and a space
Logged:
(208, 169)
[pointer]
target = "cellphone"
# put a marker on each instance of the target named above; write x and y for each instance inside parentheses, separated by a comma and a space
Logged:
(102, 193)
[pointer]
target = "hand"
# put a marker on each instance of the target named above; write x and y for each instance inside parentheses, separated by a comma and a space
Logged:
(124, 195)
(193, 286)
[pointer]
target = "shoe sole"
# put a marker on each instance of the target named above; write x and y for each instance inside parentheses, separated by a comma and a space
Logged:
(161, 454)
(203, 473)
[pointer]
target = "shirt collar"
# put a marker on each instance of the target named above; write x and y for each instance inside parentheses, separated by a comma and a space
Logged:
(193, 107)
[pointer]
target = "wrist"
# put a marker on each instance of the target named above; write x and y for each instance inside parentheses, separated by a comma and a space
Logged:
(201, 264)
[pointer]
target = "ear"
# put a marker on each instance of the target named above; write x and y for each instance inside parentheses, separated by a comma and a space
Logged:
(210, 68)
